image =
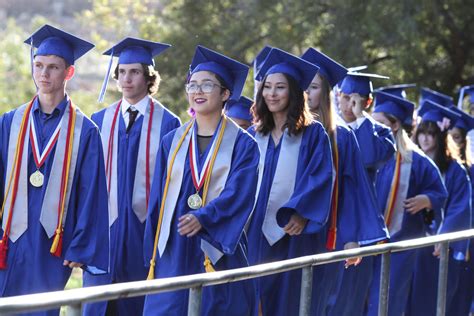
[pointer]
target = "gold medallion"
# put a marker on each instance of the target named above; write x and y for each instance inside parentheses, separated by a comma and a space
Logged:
(194, 201)
(37, 179)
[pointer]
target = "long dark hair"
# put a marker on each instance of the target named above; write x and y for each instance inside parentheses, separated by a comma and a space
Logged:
(444, 154)
(325, 113)
(298, 115)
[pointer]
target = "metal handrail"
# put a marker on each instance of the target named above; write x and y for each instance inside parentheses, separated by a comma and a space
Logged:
(76, 297)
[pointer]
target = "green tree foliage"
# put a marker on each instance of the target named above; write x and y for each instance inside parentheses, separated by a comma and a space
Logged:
(428, 42)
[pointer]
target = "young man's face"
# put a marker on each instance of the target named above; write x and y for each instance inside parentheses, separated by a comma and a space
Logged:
(132, 82)
(50, 74)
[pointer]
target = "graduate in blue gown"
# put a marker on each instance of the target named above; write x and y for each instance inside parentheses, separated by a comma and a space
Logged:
(131, 163)
(295, 186)
(432, 137)
(206, 172)
(354, 219)
(239, 111)
(464, 295)
(408, 186)
(44, 239)
(377, 146)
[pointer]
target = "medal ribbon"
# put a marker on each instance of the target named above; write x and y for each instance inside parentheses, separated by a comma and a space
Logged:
(13, 178)
(332, 233)
(207, 262)
(41, 158)
(198, 179)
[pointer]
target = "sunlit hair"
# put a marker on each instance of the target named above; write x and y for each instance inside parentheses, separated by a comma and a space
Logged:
(325, 112)
(463, 151)
(445, 150)
(298, 115)
(404, 144)
(152, 77)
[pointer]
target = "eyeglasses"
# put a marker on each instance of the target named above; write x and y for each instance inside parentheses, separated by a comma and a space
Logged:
(205, 87)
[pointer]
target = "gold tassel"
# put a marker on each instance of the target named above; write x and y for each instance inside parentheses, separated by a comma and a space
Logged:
(151, 271)
(54, 247)
(208, 265)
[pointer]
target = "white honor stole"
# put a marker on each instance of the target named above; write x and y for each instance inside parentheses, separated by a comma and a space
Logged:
(219, 176)
(404, 182)
(51, 199)
(284, 180)
(139, 201)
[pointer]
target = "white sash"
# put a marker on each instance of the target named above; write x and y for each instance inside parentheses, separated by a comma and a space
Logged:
(403, 184)
(220, 173)
(284, 180)
(49, 208)
(139, 201)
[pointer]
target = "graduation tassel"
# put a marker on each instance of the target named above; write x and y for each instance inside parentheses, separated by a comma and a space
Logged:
(101, 97)
(151, 271)
(3, 252)
(57, 246)
(208, 265)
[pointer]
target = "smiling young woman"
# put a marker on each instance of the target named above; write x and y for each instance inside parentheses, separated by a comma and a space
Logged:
(203, 193)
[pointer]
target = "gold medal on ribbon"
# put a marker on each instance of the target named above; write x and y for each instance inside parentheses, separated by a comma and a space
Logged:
(194, 201)
(37, 179)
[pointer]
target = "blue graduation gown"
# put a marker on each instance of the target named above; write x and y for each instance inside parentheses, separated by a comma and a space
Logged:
(464, 295)
(377, 146)
(376, 143)
(424, 179)
(223, 220)
(30, 266)
(457, 216)
(358, 219)
(126, 234)
(279, 294)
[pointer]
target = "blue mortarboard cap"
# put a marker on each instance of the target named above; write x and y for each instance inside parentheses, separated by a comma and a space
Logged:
(52, 41)
(231, 71)
(399, 107)
(398, 90)
(279, 61)
(134, 50)
(358, 82)
(436, 97)
(469, 90)
(431, 111)
(465, 122)
(328, 68)
(240, 108)
(259, 59)
(131, 51)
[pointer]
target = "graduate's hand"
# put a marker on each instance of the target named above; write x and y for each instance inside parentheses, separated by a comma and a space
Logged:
(295, 225)
(358, 105)
(437, 250)
(72, 264)
(188, 225)
(352, 261)
(417, 203)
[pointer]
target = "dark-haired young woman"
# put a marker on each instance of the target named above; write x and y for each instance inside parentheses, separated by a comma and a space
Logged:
(295, 183)
(203, 193)
(432, 137)
(354, 219)
(407, 185)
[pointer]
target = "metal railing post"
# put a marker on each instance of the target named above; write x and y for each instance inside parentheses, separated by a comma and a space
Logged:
(194, 303)
(442, 279)
(74, 310)
(384, 284)
(306, 290)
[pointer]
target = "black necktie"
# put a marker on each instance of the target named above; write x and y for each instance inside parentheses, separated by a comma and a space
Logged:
(132, 116)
